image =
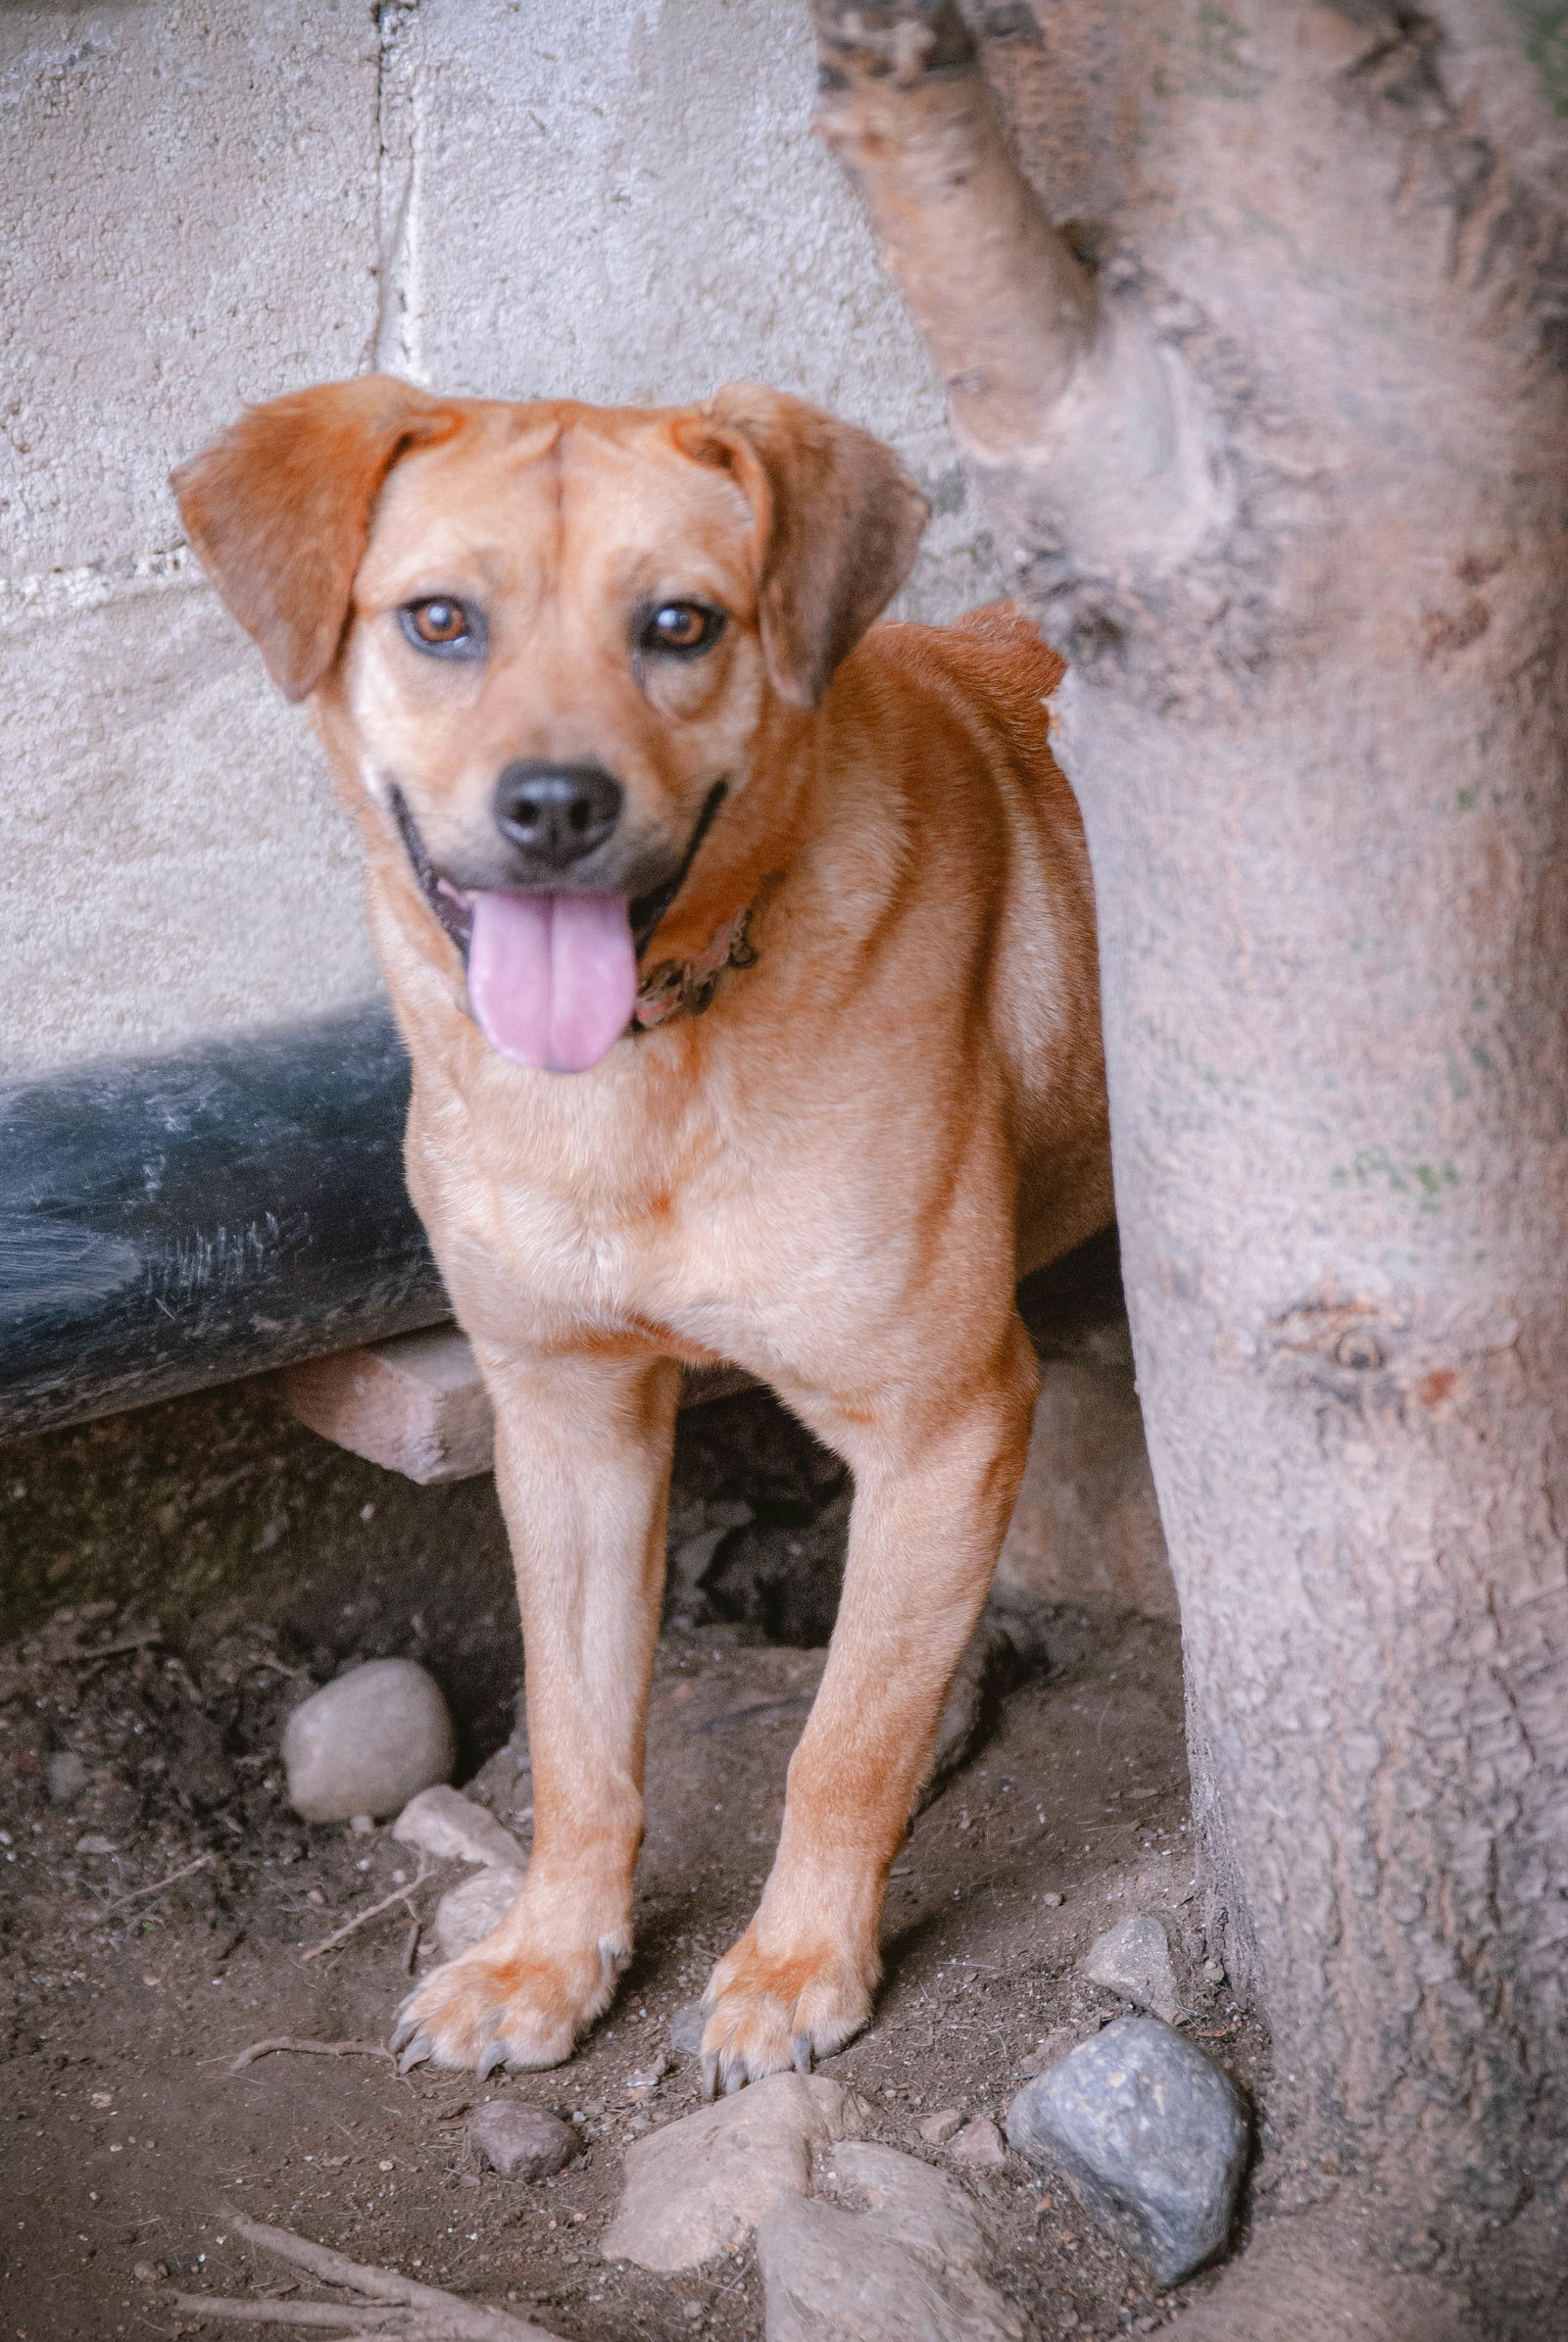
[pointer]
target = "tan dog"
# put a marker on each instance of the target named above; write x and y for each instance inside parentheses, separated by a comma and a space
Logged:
(593, 683)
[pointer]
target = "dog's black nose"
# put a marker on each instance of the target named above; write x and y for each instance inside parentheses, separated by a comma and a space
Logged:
(557, 812)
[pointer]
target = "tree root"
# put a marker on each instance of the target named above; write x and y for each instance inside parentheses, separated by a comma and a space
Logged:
(388, 2303)
(1307, 2280)
(313, 2049)
(398, 1894)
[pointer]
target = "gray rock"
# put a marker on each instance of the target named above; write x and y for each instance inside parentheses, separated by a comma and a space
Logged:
(443, 1822)
(67, 1776)
(368, 1742)
(686, 2029)
(521, 2141)
(1133, 1957)
(700, 2187)
(467, 1914)
(504, 1781)
(891, 2252)
(1150, 2136)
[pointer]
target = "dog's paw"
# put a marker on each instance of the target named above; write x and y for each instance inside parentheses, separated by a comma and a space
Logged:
(505, 2005)
(768, 2010)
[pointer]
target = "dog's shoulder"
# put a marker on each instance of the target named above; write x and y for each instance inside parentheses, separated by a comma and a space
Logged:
(993, 652)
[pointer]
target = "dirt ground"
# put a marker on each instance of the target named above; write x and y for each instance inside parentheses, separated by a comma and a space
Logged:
(134, 1754)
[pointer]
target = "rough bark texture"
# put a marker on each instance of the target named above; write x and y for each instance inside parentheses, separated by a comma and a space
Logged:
(1276, 440)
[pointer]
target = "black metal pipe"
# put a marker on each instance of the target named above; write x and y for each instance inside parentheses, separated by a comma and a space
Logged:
(177, 1222)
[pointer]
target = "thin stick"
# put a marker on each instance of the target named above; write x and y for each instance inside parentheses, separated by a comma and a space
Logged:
(421, 2313)
(411, 1950)
(156, 1887)
(398, 1894)
(113, 1650)
(349, 2316)
(315, 2049)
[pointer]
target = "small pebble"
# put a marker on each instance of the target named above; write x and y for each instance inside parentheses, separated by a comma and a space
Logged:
(67, 1776)
(686, 2029)
(1054, 1902)
(980, 2143)
(647, 2078)
(93, 1843)
(1133, 1957)
(368, 1742)
(939, 2128)
(521, 2141)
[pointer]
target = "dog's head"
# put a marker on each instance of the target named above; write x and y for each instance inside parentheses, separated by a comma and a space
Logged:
(544, 639)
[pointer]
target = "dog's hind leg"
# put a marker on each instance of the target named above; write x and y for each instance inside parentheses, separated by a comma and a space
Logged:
(582, 1463)
(936, 1476)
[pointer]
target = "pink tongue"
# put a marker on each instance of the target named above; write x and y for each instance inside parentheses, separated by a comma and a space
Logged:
(552, 978)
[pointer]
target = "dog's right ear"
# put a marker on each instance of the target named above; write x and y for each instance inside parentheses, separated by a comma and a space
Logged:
(279, 513)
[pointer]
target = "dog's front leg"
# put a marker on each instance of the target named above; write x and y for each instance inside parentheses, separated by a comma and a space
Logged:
(582, 1465)
(935, 1484)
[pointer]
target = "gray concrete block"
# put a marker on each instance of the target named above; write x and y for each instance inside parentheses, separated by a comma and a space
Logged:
(188, 219)
(172, 859)
(629, 206)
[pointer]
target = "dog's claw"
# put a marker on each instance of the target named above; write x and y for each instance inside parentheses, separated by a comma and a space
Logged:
(709, 2074)
(418, 2051)
(403, 2032)
(734, 2081)
(801, 2048)
(494, 2056)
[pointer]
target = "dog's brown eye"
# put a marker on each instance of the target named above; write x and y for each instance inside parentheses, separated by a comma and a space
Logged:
(439, 625)
(682, 626)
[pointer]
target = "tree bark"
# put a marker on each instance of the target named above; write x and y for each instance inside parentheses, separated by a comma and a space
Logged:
(1276, 443)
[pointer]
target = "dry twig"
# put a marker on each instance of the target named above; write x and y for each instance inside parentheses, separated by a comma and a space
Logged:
(156, 1887)
(315, 2049)
(398, 1894)
(388, 2303)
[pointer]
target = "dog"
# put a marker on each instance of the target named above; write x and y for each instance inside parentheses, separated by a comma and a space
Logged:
(745, 955)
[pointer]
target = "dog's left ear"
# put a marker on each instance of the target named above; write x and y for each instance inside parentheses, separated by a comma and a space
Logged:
(838, 522)
(279, 513)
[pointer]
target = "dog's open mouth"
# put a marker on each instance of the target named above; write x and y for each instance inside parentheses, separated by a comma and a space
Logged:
(552, 975)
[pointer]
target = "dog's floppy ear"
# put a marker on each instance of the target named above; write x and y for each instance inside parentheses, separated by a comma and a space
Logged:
(279, 513)
(838, 521)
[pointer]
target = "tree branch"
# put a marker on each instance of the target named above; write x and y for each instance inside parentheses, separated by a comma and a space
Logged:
(1005, 307)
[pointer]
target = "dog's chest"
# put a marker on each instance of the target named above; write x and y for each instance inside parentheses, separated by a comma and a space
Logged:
(600, 1229)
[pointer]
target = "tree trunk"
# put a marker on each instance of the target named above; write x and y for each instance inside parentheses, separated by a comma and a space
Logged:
(1276, 441)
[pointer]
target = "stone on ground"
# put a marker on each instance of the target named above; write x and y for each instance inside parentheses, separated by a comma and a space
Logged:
(892, 2251)
(444, 1823)
(466, 1914)
(1133, 1957)
(979, 2143)
(1150, 2136)
(938, 2129)
(686, 2029)
(521, 2141)
(368, 1742)
(700, 2185)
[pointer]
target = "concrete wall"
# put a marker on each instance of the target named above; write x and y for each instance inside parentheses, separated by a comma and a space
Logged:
(208, 201)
